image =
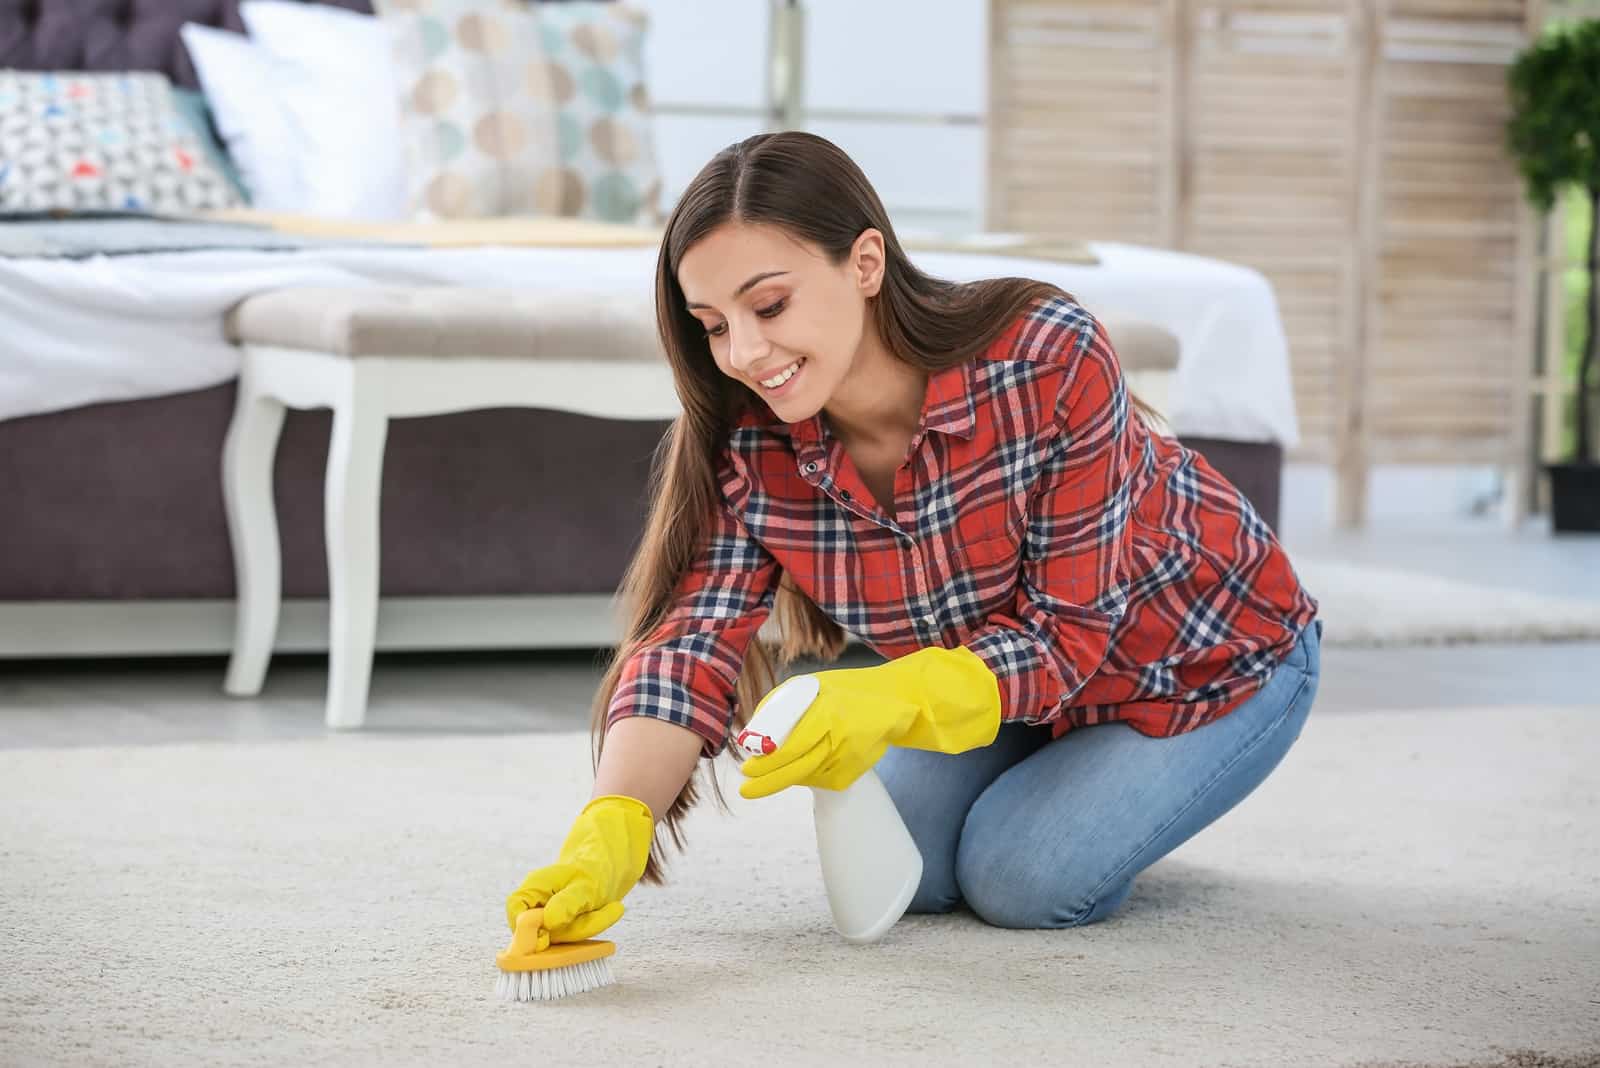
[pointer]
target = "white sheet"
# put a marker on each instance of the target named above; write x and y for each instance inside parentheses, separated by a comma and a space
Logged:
(76, 332)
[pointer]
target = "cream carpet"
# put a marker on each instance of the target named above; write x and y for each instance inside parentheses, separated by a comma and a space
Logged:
(1417, 888)
(1369, 606)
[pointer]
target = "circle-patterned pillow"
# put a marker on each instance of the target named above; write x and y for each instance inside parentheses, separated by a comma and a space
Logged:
(607, 163)
(513, 110)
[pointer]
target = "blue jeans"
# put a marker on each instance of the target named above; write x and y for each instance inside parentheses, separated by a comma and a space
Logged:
(1031, 832)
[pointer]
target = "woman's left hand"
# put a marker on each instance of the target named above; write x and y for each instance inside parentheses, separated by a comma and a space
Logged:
(945, 700)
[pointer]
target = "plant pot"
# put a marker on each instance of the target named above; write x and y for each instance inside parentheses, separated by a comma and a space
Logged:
(1575, 498)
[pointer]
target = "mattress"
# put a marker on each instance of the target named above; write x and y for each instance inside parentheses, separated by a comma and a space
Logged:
(90, 326)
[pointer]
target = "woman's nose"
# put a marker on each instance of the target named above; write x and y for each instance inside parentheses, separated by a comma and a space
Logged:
(746, 347)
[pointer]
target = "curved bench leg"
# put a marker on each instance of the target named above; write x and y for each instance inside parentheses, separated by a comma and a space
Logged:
(355, 475)
(247, 460)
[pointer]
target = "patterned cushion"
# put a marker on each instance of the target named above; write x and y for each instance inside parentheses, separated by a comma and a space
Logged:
(196, 111)
(511, 110)
(73, 141)
(608, 164)
(476, 110)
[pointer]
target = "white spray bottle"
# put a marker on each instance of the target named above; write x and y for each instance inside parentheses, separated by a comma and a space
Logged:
(870, 865)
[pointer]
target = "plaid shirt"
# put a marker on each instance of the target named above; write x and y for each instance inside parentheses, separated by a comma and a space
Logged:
(1103, 572)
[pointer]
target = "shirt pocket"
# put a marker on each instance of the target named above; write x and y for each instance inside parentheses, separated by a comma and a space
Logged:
(989, 542)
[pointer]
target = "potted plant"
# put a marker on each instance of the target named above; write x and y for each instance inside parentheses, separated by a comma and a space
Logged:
(1554, 133)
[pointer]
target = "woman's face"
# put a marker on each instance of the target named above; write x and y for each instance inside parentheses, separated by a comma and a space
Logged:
(779, 317)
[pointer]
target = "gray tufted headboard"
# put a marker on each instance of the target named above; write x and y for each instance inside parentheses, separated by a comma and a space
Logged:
(114, 34)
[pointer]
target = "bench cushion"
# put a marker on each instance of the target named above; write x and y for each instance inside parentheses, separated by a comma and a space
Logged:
(446, 321)
(1140, 345)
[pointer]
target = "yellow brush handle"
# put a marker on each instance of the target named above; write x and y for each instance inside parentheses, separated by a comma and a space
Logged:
(530, 949)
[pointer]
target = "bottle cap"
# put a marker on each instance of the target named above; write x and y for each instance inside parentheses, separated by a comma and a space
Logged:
(777, 714)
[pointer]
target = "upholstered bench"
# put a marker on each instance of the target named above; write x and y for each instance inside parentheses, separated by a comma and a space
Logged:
(1149, 357)
(375, 354)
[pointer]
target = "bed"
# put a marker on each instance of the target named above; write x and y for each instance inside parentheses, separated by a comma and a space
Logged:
(116, 390)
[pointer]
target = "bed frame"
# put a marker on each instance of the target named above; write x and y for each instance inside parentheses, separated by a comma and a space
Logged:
(501, 528)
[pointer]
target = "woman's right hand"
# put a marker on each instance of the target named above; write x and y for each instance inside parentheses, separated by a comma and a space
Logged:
(603, 857)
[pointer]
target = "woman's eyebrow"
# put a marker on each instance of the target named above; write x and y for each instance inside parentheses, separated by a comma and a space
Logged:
(742, 290)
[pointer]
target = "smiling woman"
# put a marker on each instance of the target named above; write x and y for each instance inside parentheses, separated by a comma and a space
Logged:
(956, 474)
(796, 334)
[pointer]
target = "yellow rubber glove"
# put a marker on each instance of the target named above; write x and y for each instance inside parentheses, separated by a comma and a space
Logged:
(946, 700)
(601, 860)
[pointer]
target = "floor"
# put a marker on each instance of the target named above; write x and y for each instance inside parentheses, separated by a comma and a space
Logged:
(1410, 890)
(1484, 762)
(73, 703)
(1436, 520)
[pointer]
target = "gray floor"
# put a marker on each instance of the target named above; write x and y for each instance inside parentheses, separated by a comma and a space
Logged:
(1436, 521)
(70, 703)
(138, 703)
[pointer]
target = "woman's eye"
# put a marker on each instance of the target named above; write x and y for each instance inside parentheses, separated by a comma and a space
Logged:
(771, 311)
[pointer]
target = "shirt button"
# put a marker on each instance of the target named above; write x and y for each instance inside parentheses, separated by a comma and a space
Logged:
(845, 494)
(811, 468)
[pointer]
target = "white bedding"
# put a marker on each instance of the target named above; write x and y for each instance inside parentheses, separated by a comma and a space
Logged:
(76, 332)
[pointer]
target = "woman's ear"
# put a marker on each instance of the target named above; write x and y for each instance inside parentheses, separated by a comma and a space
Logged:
(867, 257)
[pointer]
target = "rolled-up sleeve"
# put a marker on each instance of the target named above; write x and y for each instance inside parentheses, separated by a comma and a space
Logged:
(1072, 591)
(688, 670)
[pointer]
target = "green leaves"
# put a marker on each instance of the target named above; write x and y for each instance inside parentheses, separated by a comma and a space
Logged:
(1554, 130)
(1554, 134)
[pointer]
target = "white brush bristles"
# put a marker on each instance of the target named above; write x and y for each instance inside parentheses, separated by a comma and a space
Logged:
(554, 982)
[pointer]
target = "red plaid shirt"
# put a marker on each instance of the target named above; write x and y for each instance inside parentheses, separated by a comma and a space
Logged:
(1103, 572)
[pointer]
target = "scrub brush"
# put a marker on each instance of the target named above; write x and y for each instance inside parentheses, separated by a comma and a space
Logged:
(528, 973)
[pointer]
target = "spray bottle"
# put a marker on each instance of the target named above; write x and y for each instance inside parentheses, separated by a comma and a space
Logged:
(870, 866)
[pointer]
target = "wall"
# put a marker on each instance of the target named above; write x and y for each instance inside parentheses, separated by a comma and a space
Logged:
(900, 90)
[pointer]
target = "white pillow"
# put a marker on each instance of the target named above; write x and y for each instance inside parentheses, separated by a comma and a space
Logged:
(240, 82)
(355, 53)
(301, 142)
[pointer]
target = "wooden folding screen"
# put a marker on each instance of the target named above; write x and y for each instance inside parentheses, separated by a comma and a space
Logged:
(1350, 150)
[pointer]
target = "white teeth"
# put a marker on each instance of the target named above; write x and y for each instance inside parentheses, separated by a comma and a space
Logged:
(778, 380)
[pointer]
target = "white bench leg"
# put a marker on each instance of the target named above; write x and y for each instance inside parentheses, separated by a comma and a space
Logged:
(355, 474)
(247, 461)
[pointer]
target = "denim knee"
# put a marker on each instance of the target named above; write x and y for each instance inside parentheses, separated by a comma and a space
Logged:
(1003, 895)
(933, 793)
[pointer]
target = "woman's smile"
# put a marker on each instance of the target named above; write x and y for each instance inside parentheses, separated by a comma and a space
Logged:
(782, 382)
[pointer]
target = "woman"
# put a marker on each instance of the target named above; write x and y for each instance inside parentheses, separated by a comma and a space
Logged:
(1094, 645)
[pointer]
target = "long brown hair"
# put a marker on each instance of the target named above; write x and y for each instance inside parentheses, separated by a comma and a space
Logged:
(810, 188)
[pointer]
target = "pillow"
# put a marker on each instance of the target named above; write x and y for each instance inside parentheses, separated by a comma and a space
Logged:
(477, 115)
(353, 54)
(299, 145)
(242, 85)
(537, 110)
(86, 142)
(192, 106)
(608, 159)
